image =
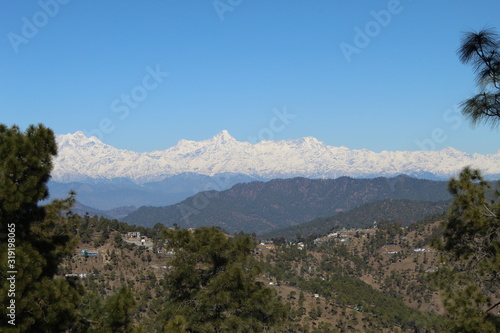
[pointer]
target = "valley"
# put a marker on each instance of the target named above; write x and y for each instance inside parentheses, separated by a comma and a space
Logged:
(363, 280)
(236, 166)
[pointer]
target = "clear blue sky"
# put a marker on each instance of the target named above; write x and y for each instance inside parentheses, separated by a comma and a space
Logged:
(72, 67)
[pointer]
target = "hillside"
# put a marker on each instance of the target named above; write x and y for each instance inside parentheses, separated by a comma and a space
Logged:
(259, 207)
(365, 280)
(404, 212)
(330, 286)
(116, 213)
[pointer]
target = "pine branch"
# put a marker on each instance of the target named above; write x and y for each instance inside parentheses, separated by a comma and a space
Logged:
(492, 307)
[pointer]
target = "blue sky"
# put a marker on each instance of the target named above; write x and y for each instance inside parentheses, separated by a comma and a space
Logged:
(142, 75)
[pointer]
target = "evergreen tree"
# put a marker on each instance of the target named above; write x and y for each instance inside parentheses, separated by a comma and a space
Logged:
(33, 238)
(482, 50)
(470, 274)
(118, 311)
(213, 287)
(176, 325)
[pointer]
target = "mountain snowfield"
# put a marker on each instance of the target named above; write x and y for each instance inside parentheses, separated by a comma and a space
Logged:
(81, 158)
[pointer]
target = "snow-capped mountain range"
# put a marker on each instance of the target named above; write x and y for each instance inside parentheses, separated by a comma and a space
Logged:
(81, 158)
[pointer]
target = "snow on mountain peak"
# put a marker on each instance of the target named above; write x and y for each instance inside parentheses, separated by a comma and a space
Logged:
(223, 137)
(223, 134)
(309, 141)
(82, 158)
(452, 151)
(79, 135)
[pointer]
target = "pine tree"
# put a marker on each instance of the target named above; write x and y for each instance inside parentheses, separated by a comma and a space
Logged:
(176, 325)
(119, 309)
(35, 237)
(213, 287)
(470, 273)
(482, 50)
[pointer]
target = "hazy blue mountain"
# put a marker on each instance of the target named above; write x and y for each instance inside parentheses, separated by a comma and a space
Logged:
(106, 194)
(263, 206)
(115, 213)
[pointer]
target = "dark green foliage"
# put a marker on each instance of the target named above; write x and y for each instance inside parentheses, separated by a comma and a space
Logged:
(482, 51)
(91, 310)
(213, 286)
(103, 315)
(25, 165)
(44, 303)
(404, 211)
(177, 324)
(470, 275)
(119, 309)
(44, 236)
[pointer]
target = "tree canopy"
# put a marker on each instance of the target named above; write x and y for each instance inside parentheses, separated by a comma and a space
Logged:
(34, 238)
(470, 274)
(213, 285)
(482, 50)
(470, 271)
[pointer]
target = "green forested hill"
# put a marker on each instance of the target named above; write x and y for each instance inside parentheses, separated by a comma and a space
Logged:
(403, 211)
(358, 283)
(263, 206)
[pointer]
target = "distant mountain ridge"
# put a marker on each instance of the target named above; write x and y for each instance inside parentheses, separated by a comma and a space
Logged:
(263, 206)
(402, 211)
(83, 159)
(105, 194)
(117, 213)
